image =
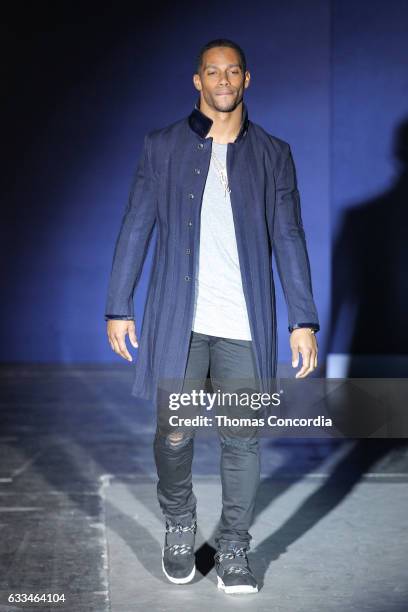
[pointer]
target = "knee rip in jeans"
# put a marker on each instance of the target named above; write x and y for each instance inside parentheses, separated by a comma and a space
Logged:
(178, 439)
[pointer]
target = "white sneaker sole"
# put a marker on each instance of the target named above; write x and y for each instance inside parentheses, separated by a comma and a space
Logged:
(178, 580)
(239, 588)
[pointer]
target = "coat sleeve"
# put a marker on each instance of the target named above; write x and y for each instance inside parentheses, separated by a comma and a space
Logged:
(289, 247)
(133, 239)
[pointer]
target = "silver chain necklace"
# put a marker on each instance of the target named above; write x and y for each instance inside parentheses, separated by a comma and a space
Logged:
(222, 173)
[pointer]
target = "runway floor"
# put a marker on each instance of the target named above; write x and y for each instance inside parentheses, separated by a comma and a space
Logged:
(79, 515)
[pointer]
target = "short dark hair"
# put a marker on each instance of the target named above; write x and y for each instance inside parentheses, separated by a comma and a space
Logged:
(222, 42)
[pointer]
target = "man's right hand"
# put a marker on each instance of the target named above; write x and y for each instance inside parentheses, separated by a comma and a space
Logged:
(117, 330)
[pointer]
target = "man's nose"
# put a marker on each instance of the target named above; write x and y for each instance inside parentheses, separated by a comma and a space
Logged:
(224, 79)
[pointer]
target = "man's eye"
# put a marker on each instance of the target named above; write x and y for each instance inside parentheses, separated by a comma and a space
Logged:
(210, 72)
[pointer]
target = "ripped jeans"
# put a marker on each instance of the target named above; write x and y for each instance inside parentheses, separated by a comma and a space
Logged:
(227, 360)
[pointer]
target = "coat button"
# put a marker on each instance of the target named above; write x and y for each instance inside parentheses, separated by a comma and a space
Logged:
(190, 223)
(187, 278)
(188, 251)
(197, 170)
(191, 196)
(200, 146)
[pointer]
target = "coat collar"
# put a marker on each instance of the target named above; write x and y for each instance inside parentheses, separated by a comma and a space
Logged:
(201, 123)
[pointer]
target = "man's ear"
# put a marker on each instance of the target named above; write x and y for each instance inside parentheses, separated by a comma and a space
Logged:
(247, 79)
(197, 82)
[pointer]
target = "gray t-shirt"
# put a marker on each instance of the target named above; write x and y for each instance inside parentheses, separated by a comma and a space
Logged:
(220, 307)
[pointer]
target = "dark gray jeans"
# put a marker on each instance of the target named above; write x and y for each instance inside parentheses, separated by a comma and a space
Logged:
(226, 360)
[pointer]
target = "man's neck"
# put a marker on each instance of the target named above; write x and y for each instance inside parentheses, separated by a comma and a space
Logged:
(226, 126)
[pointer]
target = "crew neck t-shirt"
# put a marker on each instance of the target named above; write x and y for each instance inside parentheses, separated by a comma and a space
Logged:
(219, 307)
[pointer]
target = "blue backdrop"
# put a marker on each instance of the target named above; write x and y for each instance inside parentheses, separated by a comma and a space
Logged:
(328, 77)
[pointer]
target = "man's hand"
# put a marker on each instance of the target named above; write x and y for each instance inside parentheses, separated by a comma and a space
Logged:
(303, 341)
(117, 330)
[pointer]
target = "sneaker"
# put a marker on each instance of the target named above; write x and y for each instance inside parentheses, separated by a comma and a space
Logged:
(233, 572)
(178, 560)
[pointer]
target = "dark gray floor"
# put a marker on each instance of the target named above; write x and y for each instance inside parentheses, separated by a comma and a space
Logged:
(79, 515)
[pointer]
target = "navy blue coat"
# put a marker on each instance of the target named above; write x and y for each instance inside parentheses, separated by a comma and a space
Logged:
(166, 193)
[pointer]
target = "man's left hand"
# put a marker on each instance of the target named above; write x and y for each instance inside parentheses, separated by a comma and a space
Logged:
(303, 341)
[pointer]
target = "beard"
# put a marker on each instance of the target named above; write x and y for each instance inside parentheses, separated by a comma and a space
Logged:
(230, 103)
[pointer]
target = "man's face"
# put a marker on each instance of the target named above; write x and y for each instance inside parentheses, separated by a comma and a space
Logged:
(221, 80)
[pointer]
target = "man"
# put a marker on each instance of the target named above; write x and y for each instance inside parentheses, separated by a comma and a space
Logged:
(222, 194)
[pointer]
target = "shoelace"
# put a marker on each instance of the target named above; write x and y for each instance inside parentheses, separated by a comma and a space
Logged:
(180, 549)
(236, 569)
(179, 528)
(235, 552)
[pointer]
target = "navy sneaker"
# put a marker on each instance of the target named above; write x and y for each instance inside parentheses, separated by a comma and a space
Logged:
(178, 560)
(233, 572)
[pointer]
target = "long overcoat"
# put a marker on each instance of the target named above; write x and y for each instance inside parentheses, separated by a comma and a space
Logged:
(166, 193)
